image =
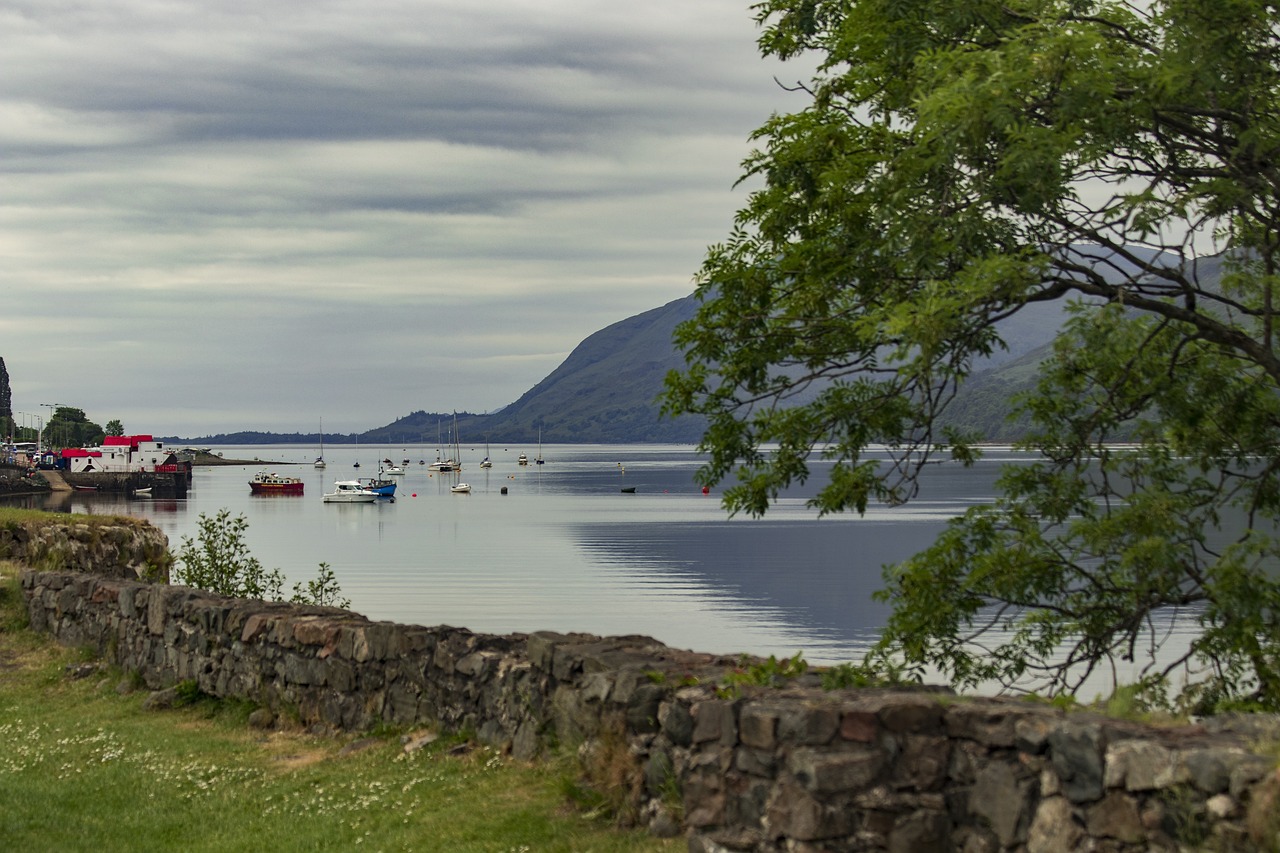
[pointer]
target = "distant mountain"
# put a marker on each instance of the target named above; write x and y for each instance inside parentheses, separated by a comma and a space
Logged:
(607, 390)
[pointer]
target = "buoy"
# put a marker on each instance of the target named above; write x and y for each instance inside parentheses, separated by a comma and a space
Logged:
(706, 490)
(504, 490)
(414, 495)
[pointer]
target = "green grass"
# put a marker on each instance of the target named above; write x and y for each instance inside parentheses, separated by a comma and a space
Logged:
(84, 768)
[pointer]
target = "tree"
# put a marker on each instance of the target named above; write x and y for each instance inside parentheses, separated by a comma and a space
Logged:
(6, 395)
(114, 427)
(954, 163)
(70, 427)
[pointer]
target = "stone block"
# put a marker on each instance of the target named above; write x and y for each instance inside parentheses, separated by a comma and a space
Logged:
(746, 801)
(1055, 828)
(1076, 753)
(565, 663)
(911, 715)
(755, 762)
(922, 763)
(715, 719)
(826, 772)
(1116, 816)
(128, 595)
(311, 631)
(540, 648)
(339, 674)
(808, 725)
(1142, 765)
(921, 832)
(758, 726)
(676, 722)
(1002, 796)
(474, 665)
(643, 706)
(859, 726)
(795, 814)
(596, 687)
(659, 773)
(1210, 769)
(526, 744)
(372, 641)
(988, 723)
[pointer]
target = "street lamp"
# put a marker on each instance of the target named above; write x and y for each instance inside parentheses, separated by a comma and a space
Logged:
(53, 408)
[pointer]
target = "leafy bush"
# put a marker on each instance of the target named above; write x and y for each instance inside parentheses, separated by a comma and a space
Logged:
(219, 560)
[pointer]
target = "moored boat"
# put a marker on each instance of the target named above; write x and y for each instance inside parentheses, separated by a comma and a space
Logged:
(350, 492)
(384, 488)
(270, 483)
(460, 489)
(319, 463)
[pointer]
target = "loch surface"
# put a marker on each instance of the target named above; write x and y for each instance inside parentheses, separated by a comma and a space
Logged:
(565, 549)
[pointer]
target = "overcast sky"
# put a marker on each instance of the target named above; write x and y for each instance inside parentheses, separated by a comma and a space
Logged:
(254, 214)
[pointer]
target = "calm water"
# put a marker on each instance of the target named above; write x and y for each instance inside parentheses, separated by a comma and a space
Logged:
(566, 550)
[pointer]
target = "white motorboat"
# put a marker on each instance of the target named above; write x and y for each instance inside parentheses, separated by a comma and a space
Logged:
(350, 492)
(460, 488)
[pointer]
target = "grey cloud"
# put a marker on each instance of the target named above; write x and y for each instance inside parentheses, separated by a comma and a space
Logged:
(213, 198)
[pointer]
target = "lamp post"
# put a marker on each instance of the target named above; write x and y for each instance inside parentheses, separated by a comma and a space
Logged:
(53, 408)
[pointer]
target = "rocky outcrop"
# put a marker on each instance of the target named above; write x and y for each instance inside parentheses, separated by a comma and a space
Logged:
(735, 768)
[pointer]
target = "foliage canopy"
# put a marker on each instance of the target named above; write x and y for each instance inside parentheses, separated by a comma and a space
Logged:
(952, 164)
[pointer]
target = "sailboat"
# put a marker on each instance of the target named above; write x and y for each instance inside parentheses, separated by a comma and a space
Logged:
(458, 488)
(320, 459)
(487, 463)
(441, 464)
(539, 460)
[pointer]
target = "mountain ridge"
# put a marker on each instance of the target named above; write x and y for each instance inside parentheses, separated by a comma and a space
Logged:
(607, 390)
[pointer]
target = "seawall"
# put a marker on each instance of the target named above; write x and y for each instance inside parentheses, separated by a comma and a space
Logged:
(754, 768)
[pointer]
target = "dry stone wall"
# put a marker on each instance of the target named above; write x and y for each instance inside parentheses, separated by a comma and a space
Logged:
(792, 769)
(115, 548)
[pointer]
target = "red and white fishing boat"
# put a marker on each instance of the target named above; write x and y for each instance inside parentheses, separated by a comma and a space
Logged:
(269, 483)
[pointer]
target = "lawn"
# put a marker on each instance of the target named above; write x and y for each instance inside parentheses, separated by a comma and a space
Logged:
(85, 767)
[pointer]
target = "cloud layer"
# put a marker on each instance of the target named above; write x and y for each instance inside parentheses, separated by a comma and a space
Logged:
(231, 215)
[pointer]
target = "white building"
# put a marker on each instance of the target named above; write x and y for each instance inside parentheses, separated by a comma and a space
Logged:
(121, 454)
